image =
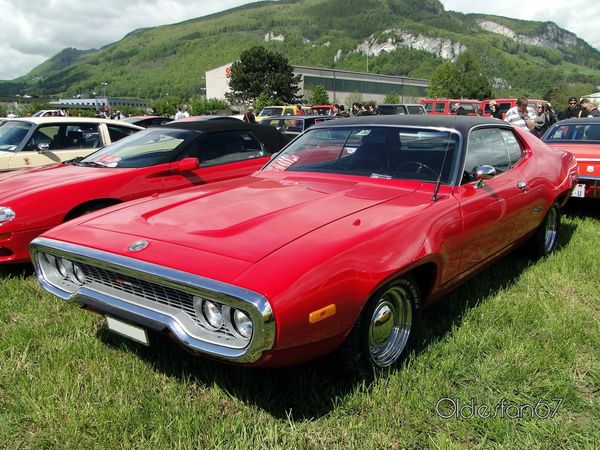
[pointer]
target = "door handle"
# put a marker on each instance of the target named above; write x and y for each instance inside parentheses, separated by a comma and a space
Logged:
(522, 185)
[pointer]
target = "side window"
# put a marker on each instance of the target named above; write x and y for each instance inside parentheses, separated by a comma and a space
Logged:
(515, 152)
(469, 108)
(428, 106)
(43, 135)
(84, 135)
(486, 147)
(227, 147)
(440, 107)
(503, 107)
(415, 110)
(117, 132)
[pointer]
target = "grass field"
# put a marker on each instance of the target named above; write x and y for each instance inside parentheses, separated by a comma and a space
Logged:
(521, 339)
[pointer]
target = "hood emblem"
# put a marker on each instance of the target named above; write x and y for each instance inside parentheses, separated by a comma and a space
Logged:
(137, 246)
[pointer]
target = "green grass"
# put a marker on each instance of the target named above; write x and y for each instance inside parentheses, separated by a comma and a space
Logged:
(521, 331)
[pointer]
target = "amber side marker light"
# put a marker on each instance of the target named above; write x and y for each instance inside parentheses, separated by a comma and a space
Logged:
(321, 314)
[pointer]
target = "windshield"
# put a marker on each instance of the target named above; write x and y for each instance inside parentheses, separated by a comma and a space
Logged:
(12, 133)
(142, 149)
(271, 111)
(376, 152)
(574, 132)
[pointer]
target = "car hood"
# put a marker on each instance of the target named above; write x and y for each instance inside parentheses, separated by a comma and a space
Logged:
(27, 181)
(249, 221)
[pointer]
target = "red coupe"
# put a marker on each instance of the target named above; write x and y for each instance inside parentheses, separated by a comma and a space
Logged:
(338, 243)
(155, 160)
(581, 137)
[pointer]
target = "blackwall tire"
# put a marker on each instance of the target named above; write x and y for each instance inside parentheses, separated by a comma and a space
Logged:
(385, 330)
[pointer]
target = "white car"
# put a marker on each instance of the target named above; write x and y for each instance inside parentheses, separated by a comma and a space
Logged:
(37, 141)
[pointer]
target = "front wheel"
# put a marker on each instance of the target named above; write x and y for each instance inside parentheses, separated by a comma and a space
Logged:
(545, 239)
(385, 329)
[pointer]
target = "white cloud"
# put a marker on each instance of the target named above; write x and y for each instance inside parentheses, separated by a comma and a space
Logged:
(35, 30)
(578, 16)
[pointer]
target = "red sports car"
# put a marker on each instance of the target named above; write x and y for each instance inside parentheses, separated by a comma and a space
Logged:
(338, 243)
(151, 161)
(581, 137)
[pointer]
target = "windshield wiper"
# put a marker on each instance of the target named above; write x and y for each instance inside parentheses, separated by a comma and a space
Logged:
(74, 161)
(90, 164)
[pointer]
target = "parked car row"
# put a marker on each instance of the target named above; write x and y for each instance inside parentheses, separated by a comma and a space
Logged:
(335, 245)
(152, 161)
(445, 106)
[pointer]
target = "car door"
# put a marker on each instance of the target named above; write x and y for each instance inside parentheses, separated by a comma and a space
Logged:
(222, 156)
(52, 143)
(493, 214)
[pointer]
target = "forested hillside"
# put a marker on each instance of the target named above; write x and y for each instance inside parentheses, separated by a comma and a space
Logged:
(401, 37)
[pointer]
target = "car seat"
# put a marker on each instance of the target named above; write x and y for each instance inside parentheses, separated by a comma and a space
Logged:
(371, 155)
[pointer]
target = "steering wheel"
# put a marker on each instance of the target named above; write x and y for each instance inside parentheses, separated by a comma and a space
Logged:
(419, 165)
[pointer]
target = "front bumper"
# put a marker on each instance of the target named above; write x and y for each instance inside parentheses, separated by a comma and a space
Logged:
(157, 297)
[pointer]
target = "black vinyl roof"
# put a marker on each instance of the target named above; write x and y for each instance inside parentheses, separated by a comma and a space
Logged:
(269, 136)
(462, 124)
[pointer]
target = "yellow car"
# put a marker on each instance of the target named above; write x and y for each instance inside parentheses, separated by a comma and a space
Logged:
(37, 141)
(276, 111)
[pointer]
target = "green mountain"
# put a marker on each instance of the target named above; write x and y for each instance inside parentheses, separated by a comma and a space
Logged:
(401, 37)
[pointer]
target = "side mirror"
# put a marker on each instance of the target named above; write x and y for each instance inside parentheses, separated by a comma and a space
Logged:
(185, 165)
(41, 148)
(482, 173)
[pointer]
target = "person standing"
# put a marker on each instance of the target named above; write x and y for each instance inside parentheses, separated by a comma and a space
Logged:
(522, 115)
(573, 110)
(589, 109)
(494, 110)
(545, 117)
(249, 116)
(179, 114)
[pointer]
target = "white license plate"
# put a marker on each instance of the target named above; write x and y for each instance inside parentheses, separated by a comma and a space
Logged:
(578, 191)
(129, 331)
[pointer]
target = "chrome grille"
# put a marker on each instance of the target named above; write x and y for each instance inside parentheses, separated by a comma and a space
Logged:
(142, 289)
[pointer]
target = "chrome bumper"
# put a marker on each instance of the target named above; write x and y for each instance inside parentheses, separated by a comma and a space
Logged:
(144, 311)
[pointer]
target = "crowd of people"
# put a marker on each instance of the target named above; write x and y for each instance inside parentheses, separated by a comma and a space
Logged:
(538, 120)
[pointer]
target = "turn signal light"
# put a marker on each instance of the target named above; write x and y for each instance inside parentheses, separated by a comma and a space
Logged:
(322, 313)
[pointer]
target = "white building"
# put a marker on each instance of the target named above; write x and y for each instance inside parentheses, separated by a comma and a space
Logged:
(340, 84)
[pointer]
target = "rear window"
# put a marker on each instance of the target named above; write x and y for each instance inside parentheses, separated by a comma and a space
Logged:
(414, 109)
(580, 132)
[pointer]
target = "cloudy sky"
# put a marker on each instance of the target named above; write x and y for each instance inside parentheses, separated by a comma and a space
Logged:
(35, 30)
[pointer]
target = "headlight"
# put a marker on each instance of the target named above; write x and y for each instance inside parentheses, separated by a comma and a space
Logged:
(61, 272)
(60, 266)
(6, 214)
(78, 273)
(212, 314)
(243, 323)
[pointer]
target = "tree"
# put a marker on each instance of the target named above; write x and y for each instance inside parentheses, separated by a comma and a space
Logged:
(392, 97)
(260, 71)
(443, 81)
(462, 79)
(318, 95)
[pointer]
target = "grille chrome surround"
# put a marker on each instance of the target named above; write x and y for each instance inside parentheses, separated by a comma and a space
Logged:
(158, 297)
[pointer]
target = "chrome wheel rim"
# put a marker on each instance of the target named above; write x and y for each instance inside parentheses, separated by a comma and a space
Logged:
(551, 228)
(389, 326)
